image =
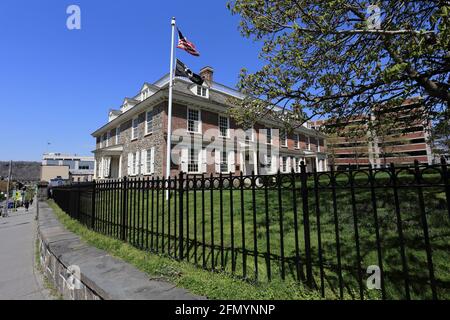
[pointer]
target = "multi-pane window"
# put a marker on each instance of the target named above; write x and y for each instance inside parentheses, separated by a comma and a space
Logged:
(269, 136)
(224, 162)
(149, 161)
(283, 138)
(223, 126)
(284, 164)
(193, 120)
(134, 129)
(108, 136)
(105, 140)
(201, 91)
(117, 135)
(296, 141)
(193, 156)
(149, 122)
(135, 163)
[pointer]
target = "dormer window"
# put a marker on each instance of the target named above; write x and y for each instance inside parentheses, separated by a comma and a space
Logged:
(202, 91)
(144, 95)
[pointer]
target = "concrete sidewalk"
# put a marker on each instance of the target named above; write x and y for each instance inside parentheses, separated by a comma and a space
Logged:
(18, 278)
(102, 276)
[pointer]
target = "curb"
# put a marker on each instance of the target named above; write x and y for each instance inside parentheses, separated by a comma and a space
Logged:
(81, 272)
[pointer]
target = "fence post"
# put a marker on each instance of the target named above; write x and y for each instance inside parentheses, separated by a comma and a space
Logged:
(447, 186)
(306, 226)
(180, 223)
(79, 202)
(93, 206)
(294, 205)
(426, 236)
(124, 207)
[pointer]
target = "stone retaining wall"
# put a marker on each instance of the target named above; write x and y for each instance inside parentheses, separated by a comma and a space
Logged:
(81, 272)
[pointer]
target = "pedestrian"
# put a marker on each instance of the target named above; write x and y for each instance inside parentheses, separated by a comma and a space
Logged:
(26, 204)
(31, 201)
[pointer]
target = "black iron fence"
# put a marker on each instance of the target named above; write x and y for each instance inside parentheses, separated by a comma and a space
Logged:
(375, 233)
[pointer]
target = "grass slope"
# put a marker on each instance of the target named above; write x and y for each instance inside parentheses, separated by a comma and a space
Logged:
(213, 285)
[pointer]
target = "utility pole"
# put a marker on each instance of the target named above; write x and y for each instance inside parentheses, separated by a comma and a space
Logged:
(8, 186)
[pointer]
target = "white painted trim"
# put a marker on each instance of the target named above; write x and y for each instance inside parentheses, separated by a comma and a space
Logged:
(133, 137)
(199, 119)
(146, 131)
(228, 125)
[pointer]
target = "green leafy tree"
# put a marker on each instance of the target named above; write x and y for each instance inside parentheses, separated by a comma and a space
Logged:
(340, 57)
(440, 135)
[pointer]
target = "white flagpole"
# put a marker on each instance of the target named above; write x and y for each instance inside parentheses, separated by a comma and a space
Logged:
(169, 113)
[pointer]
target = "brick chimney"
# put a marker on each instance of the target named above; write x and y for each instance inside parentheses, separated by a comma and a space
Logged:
(207, 74)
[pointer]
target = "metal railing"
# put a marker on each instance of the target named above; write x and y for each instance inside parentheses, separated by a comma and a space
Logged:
(324, 230)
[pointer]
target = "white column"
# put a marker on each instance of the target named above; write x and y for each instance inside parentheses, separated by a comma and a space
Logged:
(120, 167)
(255, 162)
(95, 168)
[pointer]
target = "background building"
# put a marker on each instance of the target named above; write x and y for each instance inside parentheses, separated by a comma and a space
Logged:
(67, 167)
(388, 135)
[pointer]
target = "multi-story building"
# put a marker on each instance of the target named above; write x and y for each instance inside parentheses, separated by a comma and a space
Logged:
(66, 166)
(355, 143)
(133, 141)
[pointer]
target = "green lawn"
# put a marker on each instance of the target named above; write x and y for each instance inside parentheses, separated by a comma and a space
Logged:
(213, 285)
(206, 221)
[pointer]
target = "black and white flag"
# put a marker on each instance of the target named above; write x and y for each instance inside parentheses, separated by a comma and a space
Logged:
(181, 70)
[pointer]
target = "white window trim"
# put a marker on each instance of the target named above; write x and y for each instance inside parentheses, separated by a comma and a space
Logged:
(199, 120)
(108, 137)
(309, 144)
(199, 160)
(136, 163)
(285, 142)
(133, 135)
(147, 131)
(229, 155)
(144, 94)
(148, 170)
(228, 126)
(201, 91)
(297, 141)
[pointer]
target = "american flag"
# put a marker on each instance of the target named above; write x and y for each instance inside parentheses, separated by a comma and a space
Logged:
(187, 46)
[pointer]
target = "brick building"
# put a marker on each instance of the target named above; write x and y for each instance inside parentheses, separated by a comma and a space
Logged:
(133, 142)
(358, 144)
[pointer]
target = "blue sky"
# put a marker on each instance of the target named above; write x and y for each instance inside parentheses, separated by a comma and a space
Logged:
(57, 85)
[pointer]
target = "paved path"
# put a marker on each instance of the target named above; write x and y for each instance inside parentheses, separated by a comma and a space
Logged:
(19, 280)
